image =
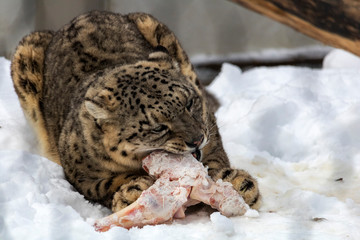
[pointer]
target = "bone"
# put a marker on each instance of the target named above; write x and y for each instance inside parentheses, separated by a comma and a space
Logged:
(182, 181)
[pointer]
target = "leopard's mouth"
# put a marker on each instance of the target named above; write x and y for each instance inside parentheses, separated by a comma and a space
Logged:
(197, 154)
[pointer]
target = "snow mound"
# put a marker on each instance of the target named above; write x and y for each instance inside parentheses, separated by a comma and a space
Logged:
(222, 223)
(297, 130)
(341, 59)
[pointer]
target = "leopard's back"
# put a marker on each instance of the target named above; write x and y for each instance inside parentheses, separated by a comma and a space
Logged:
(88, 44)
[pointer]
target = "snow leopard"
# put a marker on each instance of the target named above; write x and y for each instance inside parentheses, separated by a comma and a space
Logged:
(106, 90)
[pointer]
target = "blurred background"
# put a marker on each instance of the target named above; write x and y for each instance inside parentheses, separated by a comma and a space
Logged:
(205, 28)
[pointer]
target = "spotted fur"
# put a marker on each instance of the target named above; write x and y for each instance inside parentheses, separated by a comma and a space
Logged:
(106, 90)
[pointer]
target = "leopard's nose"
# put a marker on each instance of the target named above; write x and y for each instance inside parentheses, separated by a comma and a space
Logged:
(196, 142)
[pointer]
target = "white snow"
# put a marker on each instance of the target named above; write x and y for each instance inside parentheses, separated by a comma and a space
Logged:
(341, 59)
(222, 223)
(297, 130)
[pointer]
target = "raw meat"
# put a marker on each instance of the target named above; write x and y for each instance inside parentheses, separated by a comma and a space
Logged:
(182, 181)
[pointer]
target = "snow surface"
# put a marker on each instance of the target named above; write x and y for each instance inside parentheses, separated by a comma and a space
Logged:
(297, 130)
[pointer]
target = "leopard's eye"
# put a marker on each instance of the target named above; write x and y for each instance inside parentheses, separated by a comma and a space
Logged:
(159, 128)
(189, 104)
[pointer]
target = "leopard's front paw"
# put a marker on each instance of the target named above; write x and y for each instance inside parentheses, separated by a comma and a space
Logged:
(244, 183)
(130, 192)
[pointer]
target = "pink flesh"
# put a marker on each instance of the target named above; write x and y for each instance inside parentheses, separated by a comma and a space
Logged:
(181, 181)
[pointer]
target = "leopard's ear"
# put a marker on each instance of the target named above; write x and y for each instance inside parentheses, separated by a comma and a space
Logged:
(97, 111)
(101, 103)
(161, 54)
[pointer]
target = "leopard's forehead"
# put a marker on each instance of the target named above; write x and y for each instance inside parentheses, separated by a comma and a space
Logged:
(146, 76)
(142, 88)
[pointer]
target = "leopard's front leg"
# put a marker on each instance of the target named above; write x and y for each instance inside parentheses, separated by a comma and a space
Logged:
(216, 159)
(115, 191)
(129, 192)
